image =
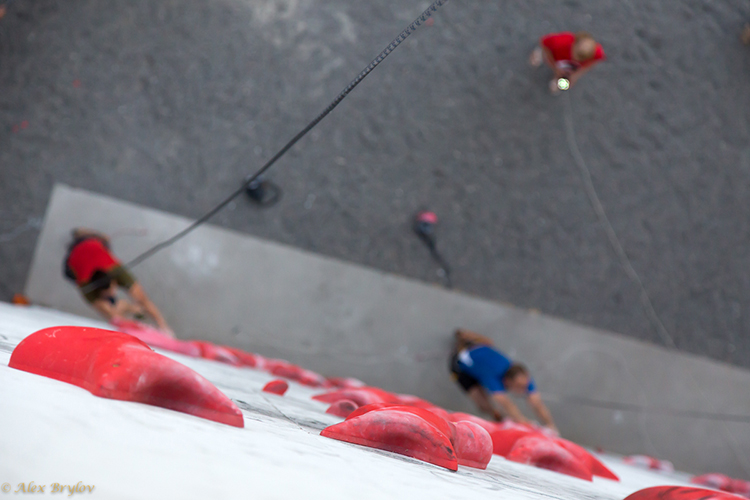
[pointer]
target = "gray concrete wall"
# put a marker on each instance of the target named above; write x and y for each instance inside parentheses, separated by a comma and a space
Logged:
(342, 319)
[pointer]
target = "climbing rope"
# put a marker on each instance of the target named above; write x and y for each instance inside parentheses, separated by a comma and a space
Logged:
(588, 185)
(362, 75)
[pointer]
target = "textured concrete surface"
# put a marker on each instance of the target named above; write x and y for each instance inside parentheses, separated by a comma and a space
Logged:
(345, 320)
(171, 103)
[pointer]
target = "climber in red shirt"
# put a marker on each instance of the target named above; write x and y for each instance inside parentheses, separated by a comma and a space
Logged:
(98, 273)
(569, 55)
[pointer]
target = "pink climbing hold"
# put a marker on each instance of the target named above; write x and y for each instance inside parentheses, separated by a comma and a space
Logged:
(118, 366)
(472, 444)
(155, 338)
(278, 387)
(397, 431)
(724, 483)
(216, 353)
(342, 408)
(546, 454)
(245, 358)
(681, 493)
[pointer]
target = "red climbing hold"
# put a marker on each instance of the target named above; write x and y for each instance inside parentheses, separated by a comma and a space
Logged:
(472, 444)
(245, 358)
(118, 366)
(344, 383)
(216, 353)
(362, 396)
(594, 464)
(485, 424)
(409, 400)
(154, 337)
(276, 387)
(285, 369)
(504, 437)
(439, 422)
(724, 483)
(399, 432)
(647, 462)
(342, 408)
(681, 493)
(544, 453)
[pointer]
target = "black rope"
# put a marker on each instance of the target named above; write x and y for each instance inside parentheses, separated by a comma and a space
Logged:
(208, 215)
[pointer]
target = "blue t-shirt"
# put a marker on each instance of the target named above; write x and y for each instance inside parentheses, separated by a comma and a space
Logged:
(488, 366)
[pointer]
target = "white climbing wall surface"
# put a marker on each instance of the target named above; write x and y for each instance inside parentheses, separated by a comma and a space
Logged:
(56, 433)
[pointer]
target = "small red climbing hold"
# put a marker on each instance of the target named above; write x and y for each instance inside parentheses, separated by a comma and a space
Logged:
(216, 353)
(342, 408)
(544, 453)
(119, 366)
(397, 431)
(154, 337)
(276, 387)
(681, 493)
(362, 396)
(248, 359)
(344, 383)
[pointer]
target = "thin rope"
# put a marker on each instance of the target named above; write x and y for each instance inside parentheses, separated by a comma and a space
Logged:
(625, 261)
(611, 234)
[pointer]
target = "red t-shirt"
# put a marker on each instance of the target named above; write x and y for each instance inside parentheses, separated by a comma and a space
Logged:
(89, 256)
(561, 47)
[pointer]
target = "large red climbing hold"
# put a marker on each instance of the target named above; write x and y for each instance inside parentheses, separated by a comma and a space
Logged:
(119, 366)
(594, 464)
(342, 408)
(278, 387)
(472, 444)
(216, 353)
(399, 432)
(154, 337)
(439, 422)
(681, 493)
(544, 453)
